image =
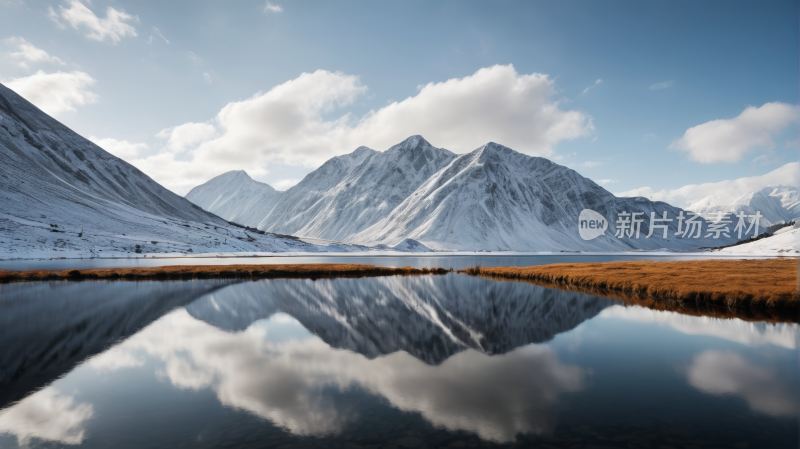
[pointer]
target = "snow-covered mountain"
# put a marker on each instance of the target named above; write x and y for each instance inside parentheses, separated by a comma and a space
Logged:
(495, 198)
(236, 197)
(349, 193)
(430, 317)
(777, 204)
(62, 195)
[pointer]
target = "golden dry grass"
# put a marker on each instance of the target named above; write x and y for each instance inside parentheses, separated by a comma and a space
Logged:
(312, 271)
(768, 283)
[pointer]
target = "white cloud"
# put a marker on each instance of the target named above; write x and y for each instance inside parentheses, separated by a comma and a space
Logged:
(53, 15)
(113, 27)
(187, 136)
(715, 372)
(206, 78)
(660, 86)
(194, 57)
(607, 181)
(649, 136)
(55, 93)
(160, 35)
(724, 192)
(596, 83)
(46, 415)
(289, 123)
(120, 148)
(269, 7)
(28, 53)
(728, 140)
(284, 184)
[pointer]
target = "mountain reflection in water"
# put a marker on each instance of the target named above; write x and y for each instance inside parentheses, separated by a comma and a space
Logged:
(465, 354)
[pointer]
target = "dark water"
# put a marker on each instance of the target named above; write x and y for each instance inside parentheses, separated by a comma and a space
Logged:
(433, 260)
(398, 362)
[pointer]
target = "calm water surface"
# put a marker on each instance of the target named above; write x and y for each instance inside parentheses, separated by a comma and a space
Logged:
(397, 362)
(432, 260)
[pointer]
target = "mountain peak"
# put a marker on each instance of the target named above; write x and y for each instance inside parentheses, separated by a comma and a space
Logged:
(494, 150)
(411, 143)
(236, 174)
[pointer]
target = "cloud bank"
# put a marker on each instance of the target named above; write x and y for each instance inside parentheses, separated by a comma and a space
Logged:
(120, 148)
(27, 53)
(55, 93)
(728, 140)
(300, 123)
(113, 27)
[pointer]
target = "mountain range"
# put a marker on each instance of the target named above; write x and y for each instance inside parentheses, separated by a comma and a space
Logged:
(62, 195)
(493, 198)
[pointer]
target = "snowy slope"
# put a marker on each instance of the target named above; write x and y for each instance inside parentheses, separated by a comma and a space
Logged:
(495, 198)
(349, 193)
(776, 203)
(63, 196)
(236, 197)
(785, 242)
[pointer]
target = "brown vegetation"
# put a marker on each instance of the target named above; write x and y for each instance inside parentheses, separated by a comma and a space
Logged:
(312, 271)
(755, 284)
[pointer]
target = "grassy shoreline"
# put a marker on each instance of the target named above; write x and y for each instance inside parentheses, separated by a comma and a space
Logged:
(312, 271)
(753, 284)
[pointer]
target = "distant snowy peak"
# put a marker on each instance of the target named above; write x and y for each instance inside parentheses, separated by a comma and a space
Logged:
(775, 203)
(236, 197)
(349, 193)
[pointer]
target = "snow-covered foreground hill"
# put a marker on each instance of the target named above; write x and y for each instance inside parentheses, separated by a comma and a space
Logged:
(63, 196)
(785, 242)
(777, 204)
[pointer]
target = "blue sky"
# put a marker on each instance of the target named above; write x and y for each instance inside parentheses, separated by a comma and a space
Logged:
(134, 72)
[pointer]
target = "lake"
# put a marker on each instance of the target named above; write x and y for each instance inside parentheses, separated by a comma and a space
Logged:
(447, 361)
(417, 260)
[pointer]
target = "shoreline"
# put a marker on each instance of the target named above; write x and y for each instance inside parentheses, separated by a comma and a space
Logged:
(251, 255)
(755, 284)
(173, 272)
